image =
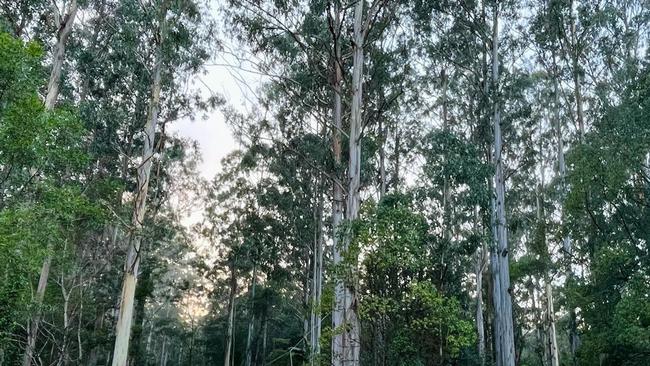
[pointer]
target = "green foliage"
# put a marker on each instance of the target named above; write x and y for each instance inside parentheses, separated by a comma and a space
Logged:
(607, 205)
(400, 306)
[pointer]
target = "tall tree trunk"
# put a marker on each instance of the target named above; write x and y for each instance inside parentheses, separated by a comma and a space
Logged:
(552, 337)
(125, 317)
(264, 338)
(163, 354)
(337, 194)
(63, 356)
(577, 82)
(574, 340)
(383, 132)
(317, 278)
(504, 332)
(480, 331)
(481, 260)
(550, 317)
(539, 333)
(251, 321)
(351, 331)
(63, 32)
(231, 317)
(446, 214)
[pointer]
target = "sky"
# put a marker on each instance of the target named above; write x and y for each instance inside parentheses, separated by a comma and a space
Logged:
(224, 77)
(214, 136)
(235, 80)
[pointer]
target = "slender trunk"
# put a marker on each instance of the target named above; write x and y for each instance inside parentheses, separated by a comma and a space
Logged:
(162, 352)
(316, 278)
(337, 194)
(382, 159)
(251, 322)
(66, 324)
(264, 339)
(539, 333)
(446, 198)
(446, 221)
(125, 317)
(79, 321)
(63, 32)
(351, 332)
(479, 305)
(481, 260)
(574, 340)
(231, 316)
(495, 284)
(552, 339)
(553, 350)
(191, 350)
(306, 286)
(319, 288)
(544, 353)
(503, 302)
(33, 325)
(65, 28)
(575, 59)
(148, 345)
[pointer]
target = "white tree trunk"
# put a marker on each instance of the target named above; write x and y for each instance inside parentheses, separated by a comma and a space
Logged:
(317, 279)
(64, 30)
(481, 259)
(337, 195)
(163, 354)
(127, 298)
(251, 322)
(504, 332)
(231, 317)
(383, 132)
(550, 317)
(574, 339)
(351, 331)
(66, 324)
(577, 82)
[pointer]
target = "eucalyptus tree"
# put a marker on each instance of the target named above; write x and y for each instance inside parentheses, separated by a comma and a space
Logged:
(43, 157)
(19, 16)
(174, 51)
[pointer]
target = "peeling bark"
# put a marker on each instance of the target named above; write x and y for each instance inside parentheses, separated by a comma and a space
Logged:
(127, 298)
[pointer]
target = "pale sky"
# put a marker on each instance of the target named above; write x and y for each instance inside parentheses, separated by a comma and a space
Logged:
(238, 83)
(214, 136)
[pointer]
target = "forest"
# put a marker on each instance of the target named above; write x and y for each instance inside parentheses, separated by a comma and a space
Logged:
(407, 182)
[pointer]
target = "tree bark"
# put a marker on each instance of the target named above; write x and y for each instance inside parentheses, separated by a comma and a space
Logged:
(317, 278)
(163, 351)
(577, 82)
(479, 305)
(504, 332)
(383, 132)
(550, 317)
(63, 32)
(231, 317)
(251, 322)
(350, 329)
(481, 260)
(577, 89)
(125, 317)
(337, 194)
(264, 339)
